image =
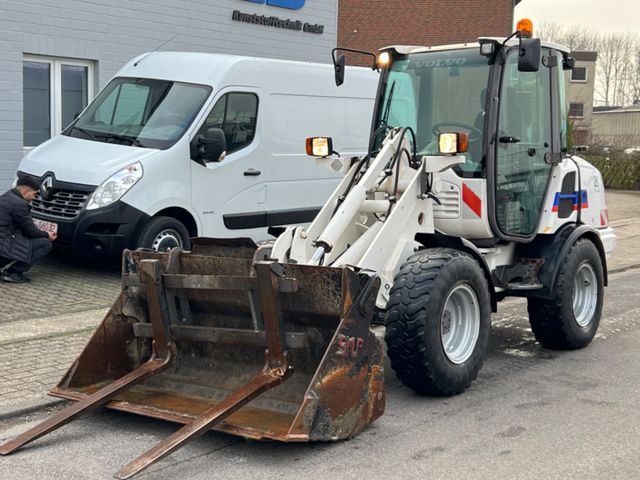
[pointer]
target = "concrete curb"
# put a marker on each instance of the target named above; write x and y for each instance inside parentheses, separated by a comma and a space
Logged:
(37, 328)
(26, 407)
(625, 268)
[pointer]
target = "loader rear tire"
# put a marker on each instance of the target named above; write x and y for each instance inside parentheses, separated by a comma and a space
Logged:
(438, 321)
(570, 319)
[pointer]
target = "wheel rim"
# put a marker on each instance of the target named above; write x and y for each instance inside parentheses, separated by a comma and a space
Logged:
(460, 324)
(166, 240)
(585, 294)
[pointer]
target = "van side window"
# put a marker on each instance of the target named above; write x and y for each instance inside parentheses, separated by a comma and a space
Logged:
(235, 114)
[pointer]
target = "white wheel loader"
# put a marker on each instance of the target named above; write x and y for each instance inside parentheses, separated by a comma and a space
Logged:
(467, 195)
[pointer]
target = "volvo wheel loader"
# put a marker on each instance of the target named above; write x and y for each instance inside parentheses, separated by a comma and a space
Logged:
(468, 195)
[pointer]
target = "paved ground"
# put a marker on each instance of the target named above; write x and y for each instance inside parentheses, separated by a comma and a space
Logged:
(60, 286)
(45, 324)
(531, 414)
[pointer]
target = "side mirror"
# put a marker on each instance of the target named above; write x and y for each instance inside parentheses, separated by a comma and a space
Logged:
(568, 63)
(529, 55)
(209, 146)
(338, 66)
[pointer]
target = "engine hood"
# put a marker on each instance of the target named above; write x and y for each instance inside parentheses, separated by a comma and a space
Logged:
(81, 161)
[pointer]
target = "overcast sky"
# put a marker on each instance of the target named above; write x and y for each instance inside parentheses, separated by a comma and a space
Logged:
(601, 15)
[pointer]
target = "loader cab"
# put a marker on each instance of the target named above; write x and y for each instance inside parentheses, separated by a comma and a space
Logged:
(513, 110)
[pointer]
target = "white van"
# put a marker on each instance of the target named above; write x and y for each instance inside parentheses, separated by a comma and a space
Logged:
(143, 165)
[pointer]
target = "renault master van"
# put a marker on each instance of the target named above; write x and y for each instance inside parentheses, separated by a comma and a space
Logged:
(179, 145)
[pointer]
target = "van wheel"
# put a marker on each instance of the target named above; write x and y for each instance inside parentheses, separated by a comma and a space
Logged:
(162, 234)
(570, 319)
(438, 321)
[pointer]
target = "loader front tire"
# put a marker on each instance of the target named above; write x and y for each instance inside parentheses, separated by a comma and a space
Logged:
(438, 321)
(570, 319)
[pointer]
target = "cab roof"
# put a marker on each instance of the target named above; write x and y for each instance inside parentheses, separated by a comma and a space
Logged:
(409, 49)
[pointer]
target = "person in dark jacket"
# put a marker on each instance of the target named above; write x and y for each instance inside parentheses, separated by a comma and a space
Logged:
(20, 240)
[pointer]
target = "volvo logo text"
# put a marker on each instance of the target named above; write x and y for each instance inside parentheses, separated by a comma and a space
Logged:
(290, 4)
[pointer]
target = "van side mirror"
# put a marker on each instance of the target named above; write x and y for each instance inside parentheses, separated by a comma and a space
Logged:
(529, 55)
(209, 146)
(338, 66)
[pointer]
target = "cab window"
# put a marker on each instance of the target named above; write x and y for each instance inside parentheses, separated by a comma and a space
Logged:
(524, 142)
(235, 113)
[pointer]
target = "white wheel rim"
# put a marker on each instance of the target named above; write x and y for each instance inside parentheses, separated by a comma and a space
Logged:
(460, 324)
(585, 294)
(166, 240)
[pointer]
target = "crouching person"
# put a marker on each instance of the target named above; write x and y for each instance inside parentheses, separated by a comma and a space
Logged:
(20, 240)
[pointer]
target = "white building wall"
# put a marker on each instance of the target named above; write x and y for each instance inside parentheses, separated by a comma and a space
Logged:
(617, 128)
(111, 32)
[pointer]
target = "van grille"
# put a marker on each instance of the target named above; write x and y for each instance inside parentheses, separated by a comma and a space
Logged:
(61, 204)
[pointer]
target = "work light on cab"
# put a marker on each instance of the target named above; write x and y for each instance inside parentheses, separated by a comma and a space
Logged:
(384, 60)
(319, 146)
(453, 143)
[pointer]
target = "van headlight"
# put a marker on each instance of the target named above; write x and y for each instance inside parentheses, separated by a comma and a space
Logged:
(112, 189)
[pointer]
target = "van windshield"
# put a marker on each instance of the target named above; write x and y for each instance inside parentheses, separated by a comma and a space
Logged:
(141, 112)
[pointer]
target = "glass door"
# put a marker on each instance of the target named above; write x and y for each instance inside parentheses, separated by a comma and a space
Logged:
(524, 142)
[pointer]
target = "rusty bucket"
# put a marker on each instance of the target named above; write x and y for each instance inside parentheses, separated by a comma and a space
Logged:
(224, 338)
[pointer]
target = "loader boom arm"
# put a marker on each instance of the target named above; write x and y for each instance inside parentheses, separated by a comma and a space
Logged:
(371, 219)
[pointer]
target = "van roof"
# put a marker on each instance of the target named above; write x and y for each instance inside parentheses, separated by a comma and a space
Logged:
(216, 69)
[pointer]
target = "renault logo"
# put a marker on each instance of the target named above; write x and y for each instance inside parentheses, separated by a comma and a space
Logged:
(46, 188)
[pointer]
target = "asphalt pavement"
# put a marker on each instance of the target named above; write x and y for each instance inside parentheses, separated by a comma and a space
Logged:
(531, 414)
(45, 324)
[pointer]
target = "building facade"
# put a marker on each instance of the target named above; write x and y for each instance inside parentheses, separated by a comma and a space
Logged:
(618, 128)
(580, 86)
(55, 55)
(369, 26)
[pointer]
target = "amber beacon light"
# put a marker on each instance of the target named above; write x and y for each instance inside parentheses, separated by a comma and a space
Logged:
(525, 27)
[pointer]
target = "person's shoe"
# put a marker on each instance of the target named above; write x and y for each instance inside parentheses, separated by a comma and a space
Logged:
(14, 277)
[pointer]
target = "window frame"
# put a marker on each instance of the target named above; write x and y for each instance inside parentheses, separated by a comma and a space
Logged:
(225, 95)
(55, 88)
(577, 80)
(576, 116)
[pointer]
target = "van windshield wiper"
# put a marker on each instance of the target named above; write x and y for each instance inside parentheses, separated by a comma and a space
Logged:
(123, 138)
(88, 133)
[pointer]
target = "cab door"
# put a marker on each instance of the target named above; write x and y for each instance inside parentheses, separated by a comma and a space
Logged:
(523, 147)
(230, 194)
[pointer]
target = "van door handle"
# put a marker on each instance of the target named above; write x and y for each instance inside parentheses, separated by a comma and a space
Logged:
(252, 173)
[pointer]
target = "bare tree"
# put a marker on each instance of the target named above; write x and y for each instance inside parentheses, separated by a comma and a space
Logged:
(634, 86)
(608, 67)
(549, 31)
(579, 38)
(618, 65)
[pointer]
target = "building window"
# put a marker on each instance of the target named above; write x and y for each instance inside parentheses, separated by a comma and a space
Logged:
(54, 92)
(576, 110)
(579, 74)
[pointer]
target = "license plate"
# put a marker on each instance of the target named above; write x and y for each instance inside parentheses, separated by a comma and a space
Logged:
(49, 227)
